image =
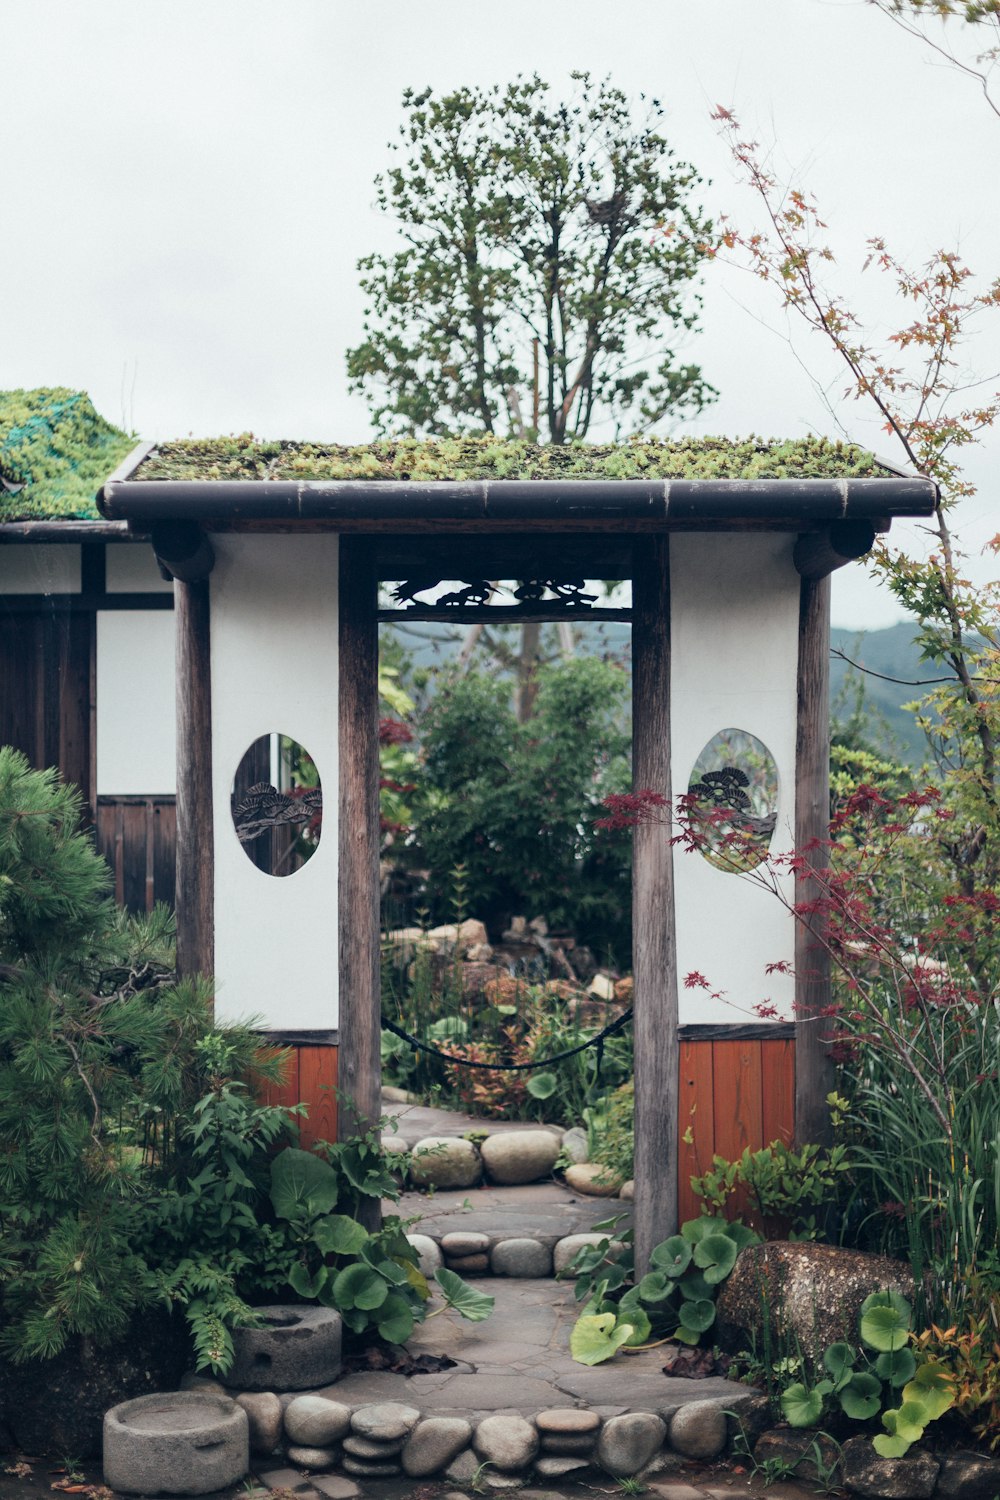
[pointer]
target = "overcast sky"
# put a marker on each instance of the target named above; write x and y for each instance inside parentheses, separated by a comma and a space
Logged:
(187, 187)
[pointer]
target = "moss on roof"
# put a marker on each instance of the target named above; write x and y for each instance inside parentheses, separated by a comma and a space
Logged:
(496, 458)
(55, 453)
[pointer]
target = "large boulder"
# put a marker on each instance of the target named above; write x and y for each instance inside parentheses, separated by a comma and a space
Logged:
(57, 1405)
(811, 1294)
(444, 1161)
(512, 1157)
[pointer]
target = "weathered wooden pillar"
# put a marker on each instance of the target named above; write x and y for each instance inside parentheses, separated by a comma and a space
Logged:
(814, 1071)
(360, 969)
(195, 898)
(654, 956)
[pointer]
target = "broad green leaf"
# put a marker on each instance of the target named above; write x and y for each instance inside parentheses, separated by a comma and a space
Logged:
(741, 1235)
(597, 1337)
(359, 1286)
(301, 1184)
(339, 1235)
(307, 1286)
(887, 1446)
(838, 1361)
(395, 1319)
(861, 1397)
(896, 1366)
(802, 1408)
(416, 1279)
(542, 1085)
(672, 1255)
(470, 1304)
(698, 1316)
(933, 1387)
(693, 1286)
(686, 1335)
(656, 1286)
(906, 1422)
(885, 1328)
(696, 1229)
(888, 1299)
(715, 1256)
(641, 1327)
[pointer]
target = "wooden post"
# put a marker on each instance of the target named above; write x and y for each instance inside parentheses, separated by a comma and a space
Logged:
(360, 968)
(654, 955)
(195, 834)
(814, 1072)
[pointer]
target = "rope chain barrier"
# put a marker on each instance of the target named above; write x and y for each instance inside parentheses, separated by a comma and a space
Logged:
(597, 1041)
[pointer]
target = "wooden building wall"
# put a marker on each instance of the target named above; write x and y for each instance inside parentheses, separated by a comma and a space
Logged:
(137, 836)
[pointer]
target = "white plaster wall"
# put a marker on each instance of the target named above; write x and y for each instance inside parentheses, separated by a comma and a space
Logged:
(40, 568)
(136, 716)
(274, 668)
(131, 569)
(734, 651)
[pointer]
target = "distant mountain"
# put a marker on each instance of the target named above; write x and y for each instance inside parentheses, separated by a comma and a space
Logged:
(891, 654)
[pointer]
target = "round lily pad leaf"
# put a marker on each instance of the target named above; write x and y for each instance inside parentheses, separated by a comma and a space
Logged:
(896, 1366)
(802, 1408)
(884, 1326)
(597, 1337)
(673, 1255)
(697, 1316)
(861, 1397)
(715, 1255)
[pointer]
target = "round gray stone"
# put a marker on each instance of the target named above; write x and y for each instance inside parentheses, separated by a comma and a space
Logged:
(627, 1443)
(366, 1470)
(433, 1444)
(567, 1419)
(315, 1422)
(312, 1458)
(698, 1429)
(468, 1265)
(463, 1467)
(578, 1444)
(385, 1420)
(574, 1144)
(567, 1247)
(297, 1349)
(371, 1451)
(517, 1156)
(445, 1162)
(264, 1413)
(554, 1466)
(522, 1257)
(179, 1443)
(509, 1442)
(428, 1253)
(464, 1242)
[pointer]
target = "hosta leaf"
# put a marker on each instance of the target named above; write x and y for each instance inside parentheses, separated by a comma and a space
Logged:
(596, 1337)
(672, 1255)
(715, 1256)
(802, 1408)
(470, 1304)
(542, 1085)
(339, 1235)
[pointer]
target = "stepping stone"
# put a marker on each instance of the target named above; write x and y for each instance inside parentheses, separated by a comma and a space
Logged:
(178, 1443)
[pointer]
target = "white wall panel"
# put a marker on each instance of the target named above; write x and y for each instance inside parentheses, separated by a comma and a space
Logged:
(40, 568)
(274, 668)
(136, 714)
(734, 653)
(131, 569)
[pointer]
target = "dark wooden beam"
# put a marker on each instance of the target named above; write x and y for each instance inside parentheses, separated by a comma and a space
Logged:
(814, 1071)
(654, 955)
(183, 550)
(360, 977)
(501, 614)
(195, 837)
(819, 553)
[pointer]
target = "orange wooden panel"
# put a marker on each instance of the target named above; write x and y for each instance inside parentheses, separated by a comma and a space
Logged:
(697, 1116)
(738, 1103)
(777, 1060)
(286, 1092)
(317, 1085)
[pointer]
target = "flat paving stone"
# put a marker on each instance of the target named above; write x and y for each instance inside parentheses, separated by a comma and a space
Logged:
(542, 1211)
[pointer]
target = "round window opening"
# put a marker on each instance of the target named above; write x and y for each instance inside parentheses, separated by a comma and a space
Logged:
(277, 804)
(733, 800)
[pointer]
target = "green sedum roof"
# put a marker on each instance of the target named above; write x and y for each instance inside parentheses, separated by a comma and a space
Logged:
(497, 458)
(55, 453)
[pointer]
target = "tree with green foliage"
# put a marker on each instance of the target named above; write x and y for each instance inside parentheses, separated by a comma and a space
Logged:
(514, 803)
(547, 260)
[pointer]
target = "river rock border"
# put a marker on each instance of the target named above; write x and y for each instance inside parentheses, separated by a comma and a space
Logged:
(322, 1435)
(474, 1253)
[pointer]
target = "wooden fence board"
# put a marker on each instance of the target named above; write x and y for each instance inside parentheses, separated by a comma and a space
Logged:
(697, 1118)
(778, 1089)
(317, 1084)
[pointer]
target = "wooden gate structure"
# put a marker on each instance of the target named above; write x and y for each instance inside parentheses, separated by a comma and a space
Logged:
(280, 557)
